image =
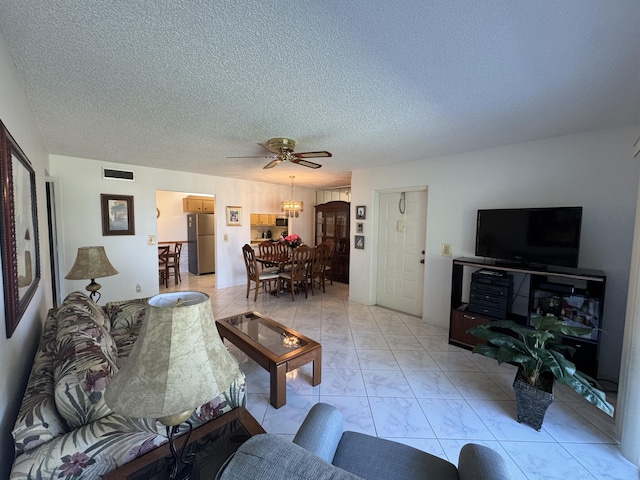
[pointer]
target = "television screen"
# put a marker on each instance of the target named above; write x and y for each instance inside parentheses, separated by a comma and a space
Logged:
(547, 236)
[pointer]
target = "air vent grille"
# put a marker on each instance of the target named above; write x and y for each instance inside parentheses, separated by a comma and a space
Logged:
(112, 174)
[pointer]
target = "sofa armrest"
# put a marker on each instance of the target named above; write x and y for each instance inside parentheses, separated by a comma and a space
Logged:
(480, 462)
(321, 431)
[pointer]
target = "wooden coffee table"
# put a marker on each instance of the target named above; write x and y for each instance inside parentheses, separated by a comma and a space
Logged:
(274, 347)
(213, 443)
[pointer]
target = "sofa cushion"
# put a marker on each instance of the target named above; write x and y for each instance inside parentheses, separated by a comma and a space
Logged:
(78, 300)
(38, 420)
(85, 362)
(373, 457)
(126, 314)
(270, 457)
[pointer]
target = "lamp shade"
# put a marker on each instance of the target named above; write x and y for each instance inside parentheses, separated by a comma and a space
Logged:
(91, 262)
(177, 363)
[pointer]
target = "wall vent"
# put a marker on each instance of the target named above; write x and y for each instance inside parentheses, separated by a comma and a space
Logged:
(111, 174)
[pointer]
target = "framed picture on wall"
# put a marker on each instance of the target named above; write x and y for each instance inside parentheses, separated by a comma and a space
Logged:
(234, 216)
(359, 227)
(359, 244)
(20, 252)
(117, 214)
(361, 212)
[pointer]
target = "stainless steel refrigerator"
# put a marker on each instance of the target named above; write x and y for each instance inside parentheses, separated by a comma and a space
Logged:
(202, 243)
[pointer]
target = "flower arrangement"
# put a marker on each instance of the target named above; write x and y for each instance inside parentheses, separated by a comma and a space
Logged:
(292, 241)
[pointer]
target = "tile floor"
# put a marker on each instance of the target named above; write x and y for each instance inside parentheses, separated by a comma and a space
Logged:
(396, 377)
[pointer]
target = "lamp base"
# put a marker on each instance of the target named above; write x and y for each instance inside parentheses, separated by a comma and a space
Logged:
(93, 287)
(183, 472)
(181, 464)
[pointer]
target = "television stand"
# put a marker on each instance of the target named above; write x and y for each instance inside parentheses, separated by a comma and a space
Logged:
(573, 295)
(516, 264)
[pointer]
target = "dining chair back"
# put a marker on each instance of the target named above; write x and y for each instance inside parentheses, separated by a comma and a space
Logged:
(330, 267)
(254, 274)
(173, 264)
(321, 257)
(163, 262)
(268, 249)
(298, 275)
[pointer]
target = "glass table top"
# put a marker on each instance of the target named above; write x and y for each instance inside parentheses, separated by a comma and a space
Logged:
(266, 332)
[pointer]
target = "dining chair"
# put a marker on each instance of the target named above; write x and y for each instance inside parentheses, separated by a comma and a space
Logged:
(254, 274)
(268, 249)
(330, 267)
(299, 274)
(173, 264)
(321, 257)
(163, 262)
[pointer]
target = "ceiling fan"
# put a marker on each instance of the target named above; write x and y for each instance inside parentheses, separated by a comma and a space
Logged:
(282, 149)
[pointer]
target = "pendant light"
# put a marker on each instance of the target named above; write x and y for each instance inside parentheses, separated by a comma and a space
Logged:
(292, 208)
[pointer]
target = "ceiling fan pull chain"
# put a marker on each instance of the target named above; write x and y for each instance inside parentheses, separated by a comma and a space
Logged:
(402, 204)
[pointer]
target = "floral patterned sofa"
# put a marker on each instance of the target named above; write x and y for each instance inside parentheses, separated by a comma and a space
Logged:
(64, 428)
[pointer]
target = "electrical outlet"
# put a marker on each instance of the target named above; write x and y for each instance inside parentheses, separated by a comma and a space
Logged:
(446, 249)
(138, 288)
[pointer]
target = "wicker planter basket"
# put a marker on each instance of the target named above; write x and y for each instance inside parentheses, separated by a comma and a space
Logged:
(531, 401)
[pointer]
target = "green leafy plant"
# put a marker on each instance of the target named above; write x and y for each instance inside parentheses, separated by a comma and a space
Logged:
(538, 350)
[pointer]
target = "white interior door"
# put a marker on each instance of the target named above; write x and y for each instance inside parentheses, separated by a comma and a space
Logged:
(401, 242)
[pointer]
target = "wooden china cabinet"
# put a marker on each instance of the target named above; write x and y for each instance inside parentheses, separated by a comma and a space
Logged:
(332, 223)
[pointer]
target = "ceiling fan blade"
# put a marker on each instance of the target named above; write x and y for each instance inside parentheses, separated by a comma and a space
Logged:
(272, 163)
(266, 145)
(305, 163)
(256, 156)
(323, 153)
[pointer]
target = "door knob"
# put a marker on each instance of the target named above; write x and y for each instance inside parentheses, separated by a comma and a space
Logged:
(423, 252)
(422, 261)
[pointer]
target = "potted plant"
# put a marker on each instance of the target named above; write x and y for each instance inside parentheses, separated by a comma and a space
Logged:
(540, 356)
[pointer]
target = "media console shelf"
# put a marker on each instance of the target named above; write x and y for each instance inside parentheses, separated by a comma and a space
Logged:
(574, 295)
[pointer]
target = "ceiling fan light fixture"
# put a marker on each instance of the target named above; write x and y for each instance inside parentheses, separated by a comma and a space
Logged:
(292, 208)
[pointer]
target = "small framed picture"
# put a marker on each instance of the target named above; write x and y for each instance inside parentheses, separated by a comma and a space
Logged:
(361, 212)
(117, 215)
(360, 242)
(234, 216)
(359, 227)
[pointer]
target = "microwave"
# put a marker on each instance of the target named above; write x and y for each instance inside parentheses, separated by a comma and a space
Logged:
(282, 222)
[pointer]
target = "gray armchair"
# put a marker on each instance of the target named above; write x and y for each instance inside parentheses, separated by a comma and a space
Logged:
(321, 450)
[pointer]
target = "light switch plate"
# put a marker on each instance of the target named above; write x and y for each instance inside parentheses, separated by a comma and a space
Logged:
(151, 240)
(400, 226)
(446, 249)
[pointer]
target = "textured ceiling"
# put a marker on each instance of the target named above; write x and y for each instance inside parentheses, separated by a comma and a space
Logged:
(184, 84)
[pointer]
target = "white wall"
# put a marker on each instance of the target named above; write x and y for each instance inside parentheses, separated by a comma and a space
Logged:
(594, 169)
(81, 185)
(16, 353)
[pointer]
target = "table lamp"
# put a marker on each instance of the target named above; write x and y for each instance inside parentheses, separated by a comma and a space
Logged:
(177, 363)
(91, 263)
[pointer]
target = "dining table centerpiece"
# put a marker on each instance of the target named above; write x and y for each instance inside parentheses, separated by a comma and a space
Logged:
(292, 241)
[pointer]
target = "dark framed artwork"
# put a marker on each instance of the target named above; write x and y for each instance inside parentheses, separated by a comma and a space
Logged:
(117, 214)
(359, 227)
(20, 244)
(361, 212)
(359, 244)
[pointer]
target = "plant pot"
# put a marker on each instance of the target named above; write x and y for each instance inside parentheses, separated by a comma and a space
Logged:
(532, 401)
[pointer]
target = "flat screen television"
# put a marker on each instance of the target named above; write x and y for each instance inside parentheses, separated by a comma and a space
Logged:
(530, 236)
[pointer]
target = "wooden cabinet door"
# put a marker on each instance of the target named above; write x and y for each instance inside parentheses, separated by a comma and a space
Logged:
(332, 223)
(207, 206)
(461, 321)
(191, 205)
(255, 219)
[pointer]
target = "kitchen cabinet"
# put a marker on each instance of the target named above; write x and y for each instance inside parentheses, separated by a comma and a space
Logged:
(332, 223)
(197, 205)
(263, 219)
